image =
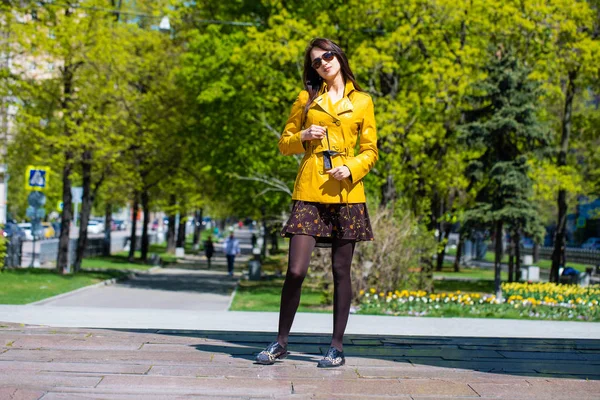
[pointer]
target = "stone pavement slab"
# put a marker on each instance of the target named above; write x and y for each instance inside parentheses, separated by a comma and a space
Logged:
(41, 362)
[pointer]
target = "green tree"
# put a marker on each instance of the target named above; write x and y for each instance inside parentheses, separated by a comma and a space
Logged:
(502, 127)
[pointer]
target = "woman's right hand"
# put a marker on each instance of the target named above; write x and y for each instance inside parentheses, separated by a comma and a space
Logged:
(313, 132)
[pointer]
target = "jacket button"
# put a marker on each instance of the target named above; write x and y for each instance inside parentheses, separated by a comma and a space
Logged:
(338, 123)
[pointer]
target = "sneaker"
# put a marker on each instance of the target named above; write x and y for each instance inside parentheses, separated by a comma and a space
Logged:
(273, 352)
(333, 358)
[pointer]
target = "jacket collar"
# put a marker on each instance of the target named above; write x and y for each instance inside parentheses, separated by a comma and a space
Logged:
(349, 88)
(325, 103)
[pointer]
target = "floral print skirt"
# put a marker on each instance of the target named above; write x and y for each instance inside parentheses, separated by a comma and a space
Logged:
(329, 221)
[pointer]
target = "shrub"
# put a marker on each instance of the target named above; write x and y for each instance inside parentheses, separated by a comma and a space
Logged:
(393, 260)
(3, 249)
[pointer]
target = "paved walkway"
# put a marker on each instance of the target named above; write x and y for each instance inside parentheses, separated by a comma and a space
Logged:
(160, 289)
(320, 323)
(46, 363)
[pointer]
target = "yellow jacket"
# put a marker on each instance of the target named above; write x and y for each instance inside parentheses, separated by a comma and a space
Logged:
(349, 120)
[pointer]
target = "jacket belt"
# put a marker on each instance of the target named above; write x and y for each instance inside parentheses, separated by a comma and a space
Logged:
(348, 151)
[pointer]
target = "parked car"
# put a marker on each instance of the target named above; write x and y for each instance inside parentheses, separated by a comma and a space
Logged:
(95, 227)
(592, 243)
(12, 229)
(49, 231)
(26, 228)
(119, 225)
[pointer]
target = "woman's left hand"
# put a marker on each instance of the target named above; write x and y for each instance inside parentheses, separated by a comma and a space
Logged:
(339, 173)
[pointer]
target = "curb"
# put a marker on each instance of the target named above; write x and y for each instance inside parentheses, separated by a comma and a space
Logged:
(107, 282)
(237, 284)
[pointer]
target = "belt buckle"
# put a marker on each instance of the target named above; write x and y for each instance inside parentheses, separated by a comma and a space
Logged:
(327, 164)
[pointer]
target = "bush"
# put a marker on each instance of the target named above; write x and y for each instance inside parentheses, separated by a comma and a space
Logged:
(3, 249)
(393, 260)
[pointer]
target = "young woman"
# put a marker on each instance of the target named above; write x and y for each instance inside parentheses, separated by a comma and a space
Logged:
(328, 118)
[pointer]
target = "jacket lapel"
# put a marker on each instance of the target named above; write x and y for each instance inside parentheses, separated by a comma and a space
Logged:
(346, 105)
(324, 102)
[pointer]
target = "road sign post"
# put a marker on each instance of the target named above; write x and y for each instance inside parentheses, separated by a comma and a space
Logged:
(35, 212)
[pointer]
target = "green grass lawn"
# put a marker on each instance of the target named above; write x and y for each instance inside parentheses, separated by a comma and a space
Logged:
(118, 262)
(467, 273)
(160, 249)
(470, 273)
(266, 295)
(23, 286)
(26, 285)
(480, 286)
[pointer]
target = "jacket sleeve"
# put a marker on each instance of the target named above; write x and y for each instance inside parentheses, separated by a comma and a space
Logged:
(368, 154)
(291, 141)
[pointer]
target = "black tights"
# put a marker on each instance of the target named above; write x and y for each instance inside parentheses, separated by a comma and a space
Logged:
(301, 247)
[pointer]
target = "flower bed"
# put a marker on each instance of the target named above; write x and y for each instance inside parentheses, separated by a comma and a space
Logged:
(521, 300)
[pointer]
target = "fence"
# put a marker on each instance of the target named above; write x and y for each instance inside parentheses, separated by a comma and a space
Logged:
(583, 256)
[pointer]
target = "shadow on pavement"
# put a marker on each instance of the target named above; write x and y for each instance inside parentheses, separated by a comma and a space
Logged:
(557, 358)
(183, 282)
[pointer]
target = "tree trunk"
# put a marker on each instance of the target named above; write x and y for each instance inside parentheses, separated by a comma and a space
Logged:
(265, 250)
(132, 239)
(558, 254)
(274, 239)
(442, 253)
(86, 208)
(511, 260)
(518, 257)
(181, 230)
(107, 229)
(498, 260)
(146, 208)
(459, 250)
(197, 228)
(536, 252)
(62, 261)
(426, 275)
(171, 227)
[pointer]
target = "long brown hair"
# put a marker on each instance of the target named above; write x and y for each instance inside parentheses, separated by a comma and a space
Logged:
(312, 79)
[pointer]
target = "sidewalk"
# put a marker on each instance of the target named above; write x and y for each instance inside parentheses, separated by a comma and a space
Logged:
(319, 323)
(46, 363)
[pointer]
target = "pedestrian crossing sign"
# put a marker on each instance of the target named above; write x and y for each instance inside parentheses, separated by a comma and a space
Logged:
(36, 178)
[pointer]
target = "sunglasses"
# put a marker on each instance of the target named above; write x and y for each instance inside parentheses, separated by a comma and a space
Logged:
(327, 56)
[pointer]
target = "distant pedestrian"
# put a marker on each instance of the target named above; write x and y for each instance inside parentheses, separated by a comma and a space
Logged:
(209, 249)
(231, 249)
(254, 240)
